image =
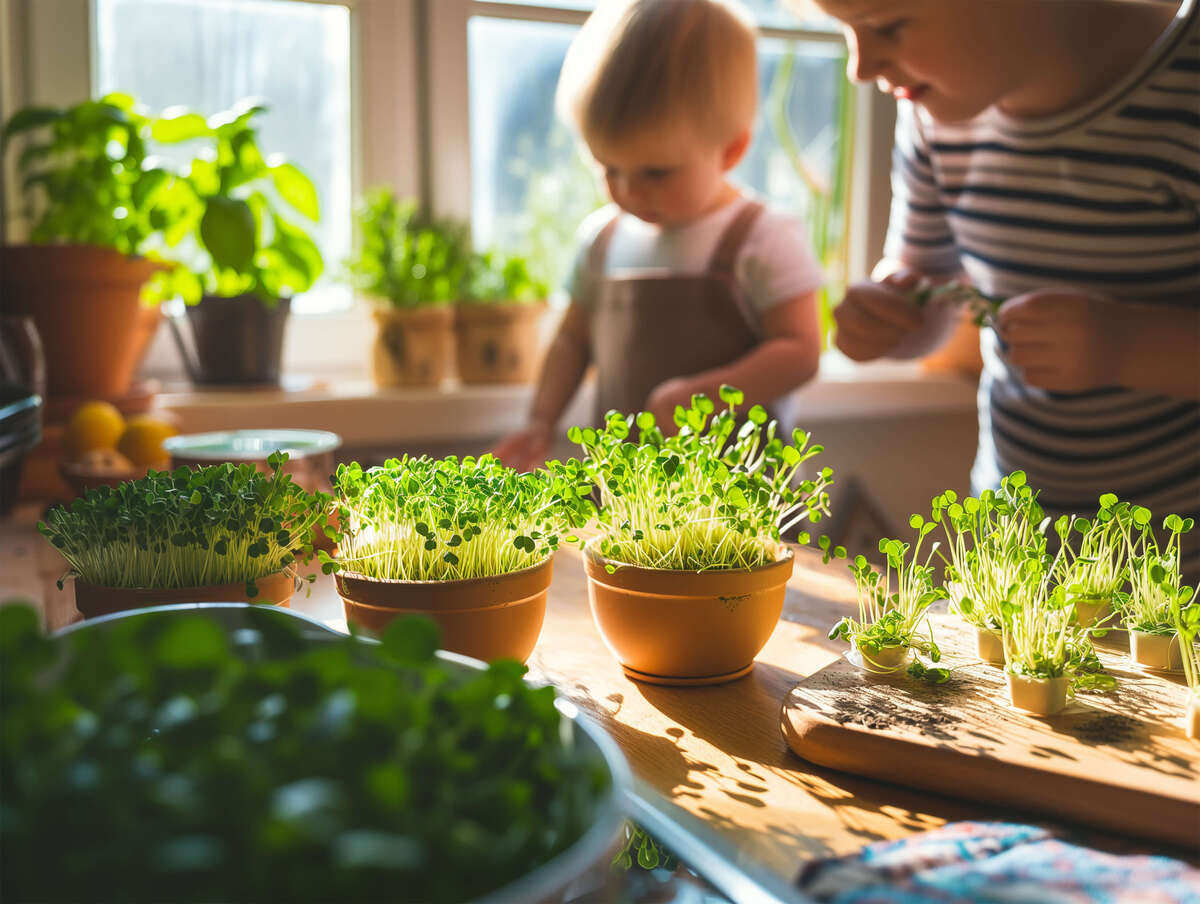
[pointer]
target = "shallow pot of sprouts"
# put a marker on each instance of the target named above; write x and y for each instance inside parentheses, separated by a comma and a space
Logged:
(1094, 557)
(892, 621)
(467, 542)
(988, 540)
(225, 533)
(1048, 654)
(688, 574)
(1155, 587)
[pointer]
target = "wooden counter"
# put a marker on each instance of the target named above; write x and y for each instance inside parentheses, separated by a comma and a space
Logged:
(717, 753)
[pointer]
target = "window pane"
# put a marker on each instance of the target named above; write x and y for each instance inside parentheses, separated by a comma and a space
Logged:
(208, 54)
(767, 13)
(531, 187)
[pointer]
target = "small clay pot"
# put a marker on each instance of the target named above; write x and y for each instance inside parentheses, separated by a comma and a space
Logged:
(989, 646)
(488, 618)
(1160, 652)
(1039, 696)
(92, 600)
(1191, 719)
(1092, 610)
(498, 343)
(414, 346)
(686, 627)
(886, 661)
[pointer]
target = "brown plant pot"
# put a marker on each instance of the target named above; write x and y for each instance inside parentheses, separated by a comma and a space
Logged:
(488, 618)
(498, 343)
(92, 600)
(686, 627)
(84, 303)
(414, 346)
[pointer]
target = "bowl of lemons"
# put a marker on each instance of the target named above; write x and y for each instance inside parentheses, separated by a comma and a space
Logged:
(103, 448)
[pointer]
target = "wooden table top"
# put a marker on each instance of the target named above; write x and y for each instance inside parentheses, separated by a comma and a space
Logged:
(715, 752)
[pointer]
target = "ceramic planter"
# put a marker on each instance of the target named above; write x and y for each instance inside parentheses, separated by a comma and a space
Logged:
(1039, 696)
(487, 618)
(1092, 610)
(1191, 718)
(84, 302)
(92, 600)
(989, 646)
(686, 627)
(1156, 651)
(498, 343)
(414, 346)
(884, 662)
(238, 341)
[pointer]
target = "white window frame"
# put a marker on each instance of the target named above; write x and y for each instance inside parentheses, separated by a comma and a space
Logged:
(410, 111)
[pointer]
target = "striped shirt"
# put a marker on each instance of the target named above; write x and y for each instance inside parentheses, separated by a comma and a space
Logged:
(1105, 198)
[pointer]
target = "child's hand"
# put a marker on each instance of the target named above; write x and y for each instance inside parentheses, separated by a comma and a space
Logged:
(664, 397)
(875, 317)
(1063, 340)
(526, 449)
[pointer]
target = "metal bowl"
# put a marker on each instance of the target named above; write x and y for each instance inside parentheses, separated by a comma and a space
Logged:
(548, 881)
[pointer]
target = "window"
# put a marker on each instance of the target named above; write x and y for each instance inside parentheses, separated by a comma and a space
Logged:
(208, 54)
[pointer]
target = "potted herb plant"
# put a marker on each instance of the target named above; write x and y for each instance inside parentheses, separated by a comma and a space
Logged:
(892, 626)
(226, 532)
(1186, 619)
(687, 575)
(990, 538)
(1155, 586)
(1092, 566)
(413, 267)
(241, 256)
(1048, 653)
(468, 542)
(497, 324)
(238, 753)
(94, 199)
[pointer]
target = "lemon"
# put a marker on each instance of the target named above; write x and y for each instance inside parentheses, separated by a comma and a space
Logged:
(142, 441)
(94, 425)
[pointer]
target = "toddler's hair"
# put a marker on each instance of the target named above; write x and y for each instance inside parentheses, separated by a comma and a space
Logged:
(640, 63)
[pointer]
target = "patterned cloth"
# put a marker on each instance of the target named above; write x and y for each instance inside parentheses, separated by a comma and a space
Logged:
(996, 862)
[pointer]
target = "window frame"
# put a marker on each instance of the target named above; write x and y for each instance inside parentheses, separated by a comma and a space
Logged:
(410, 121)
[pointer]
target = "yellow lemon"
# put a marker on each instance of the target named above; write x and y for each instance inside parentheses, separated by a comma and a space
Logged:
(94, 425)
(142, 441)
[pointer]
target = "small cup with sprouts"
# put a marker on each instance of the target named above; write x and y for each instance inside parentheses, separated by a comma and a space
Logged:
(1155, 586)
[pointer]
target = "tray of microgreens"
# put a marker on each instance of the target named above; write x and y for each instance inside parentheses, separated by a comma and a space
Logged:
(417, 518)
(190, 527)
(243, 753)
(717, 493)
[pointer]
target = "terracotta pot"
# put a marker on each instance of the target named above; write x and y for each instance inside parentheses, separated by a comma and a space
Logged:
(886, 661)
(1191, 719)
(93, 600)
(84, 303)
(1040, 696)
(488, 618)
(1156, 651)
(498, 343)
(1092, 610)
(686, 627)
(989, 646)
(414, 346)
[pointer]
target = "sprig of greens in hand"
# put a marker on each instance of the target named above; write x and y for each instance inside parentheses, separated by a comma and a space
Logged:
(982, 308)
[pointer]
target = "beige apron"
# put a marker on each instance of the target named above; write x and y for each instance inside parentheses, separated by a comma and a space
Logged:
(649, 328)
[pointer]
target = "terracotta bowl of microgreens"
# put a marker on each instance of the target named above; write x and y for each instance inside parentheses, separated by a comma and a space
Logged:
(92, 600)
(488, 618)
(686, 627)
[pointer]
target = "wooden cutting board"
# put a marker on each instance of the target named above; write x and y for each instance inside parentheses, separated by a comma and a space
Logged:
(1118, 761)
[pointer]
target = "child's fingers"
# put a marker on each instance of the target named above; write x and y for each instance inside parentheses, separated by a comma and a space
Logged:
(903, 279)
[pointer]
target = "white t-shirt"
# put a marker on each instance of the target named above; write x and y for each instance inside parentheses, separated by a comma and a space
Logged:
(775, 262)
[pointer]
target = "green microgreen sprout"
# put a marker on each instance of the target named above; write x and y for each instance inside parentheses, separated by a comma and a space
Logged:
(426, 519)
(1093, 567)
(1185, 617)
(890, 622)
(990, 539)
(982, 308)
(223, 524)
(715, 495)
(179, 760)
(642, 849)
(1155, 582)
